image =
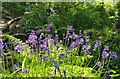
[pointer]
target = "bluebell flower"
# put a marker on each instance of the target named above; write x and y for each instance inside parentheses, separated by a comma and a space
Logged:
(15, 67)
(52, 60)
(62, 55)
(38, 31)
(32, 38)
(43, 58)
(96, 45)
(87, 38)
(105, 54)
(47, 29)
(84, 47)
(88, 46)
(108, 77)
(69, 28)
(32, 52)
(99, 64)
(19, 48)
(75, 36)
(26, 71)
(106, 48)
(73, 45)
(80, 33)
(41, 37)
(14, 41)
(57, 67)
(113, 55)
(49, 37)
(32, 32)
(81, 41)
(56, 38)
(6, 46)
(87, 52)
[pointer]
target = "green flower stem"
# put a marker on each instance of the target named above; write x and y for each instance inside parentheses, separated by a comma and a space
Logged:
(103, 62)
(89, 63)
(97, 60)
(15, 72)
(7, 63)
(82, 61)
(12, 62)
(3, 63)
(107, 66)
(23, 63)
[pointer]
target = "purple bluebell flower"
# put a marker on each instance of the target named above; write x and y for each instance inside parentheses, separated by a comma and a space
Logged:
(1, 44)
(113, 55)
(106, 48)
(49, 37)
(105, 54)
(87, 38)
(15, 67)
(47, 29)
(32, 52)
(64, 71)
(87, 52)
(19, 48)
(96, 45)
(32, 32)
(43, 58)
(26, 71)
(38, 31)
(52, 60)
(73, 45)
(41, 37)
(47, 50)
(88, 46)
(80, 32)
(84, 47)
(62, 55)
(106, 60)
(75, 36)
(99, 64)
(6, 46)
(32, 38)
(81, 41)
(69, 28)
(56, 38)
(14, 41)
(108, 77)
(57, 67)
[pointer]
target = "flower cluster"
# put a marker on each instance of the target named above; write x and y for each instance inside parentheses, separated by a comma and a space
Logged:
(98, 43)
(19, 48)
(32, 38)
(86, 48)
(105, 54)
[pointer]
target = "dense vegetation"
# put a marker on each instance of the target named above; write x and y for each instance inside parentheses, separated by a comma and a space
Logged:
(61, 39)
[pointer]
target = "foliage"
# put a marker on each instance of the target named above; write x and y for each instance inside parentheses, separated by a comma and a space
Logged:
(82, 15)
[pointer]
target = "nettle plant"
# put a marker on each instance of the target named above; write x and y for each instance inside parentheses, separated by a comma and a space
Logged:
(44, 55)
